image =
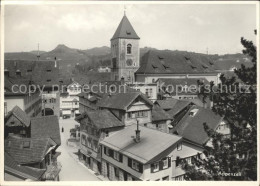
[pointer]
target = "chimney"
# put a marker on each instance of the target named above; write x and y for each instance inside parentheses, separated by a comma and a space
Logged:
(55, 61)
(137, 132)
(122, 80)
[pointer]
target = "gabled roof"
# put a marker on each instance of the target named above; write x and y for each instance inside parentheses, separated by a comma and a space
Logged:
(173, 62)
(166, 104)
(125, 30)
(158, 114)
(101, 119)
(152, 145)
(122, 100)
(20, 115)
(33, 154)
(42, 72)
(191, 127)
(180, 105)
(46, 127)
(22, 171)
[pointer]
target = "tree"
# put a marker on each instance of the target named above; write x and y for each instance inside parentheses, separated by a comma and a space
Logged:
(233, 157)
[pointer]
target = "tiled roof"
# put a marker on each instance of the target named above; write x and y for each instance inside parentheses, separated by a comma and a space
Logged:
(191, 127)
(172, 62)
(180, 105)
(11, 85)
(167, 104)
(41, 72)
(102, 89)
(152, 144)
(122, 100)
(158, 114)
(101, 119)
(184, 81)
(22, 171)
(46, 127)
(20, 115)
(34, 153)
(125, 30)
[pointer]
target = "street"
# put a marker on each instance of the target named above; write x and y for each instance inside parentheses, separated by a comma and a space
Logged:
(72, 169)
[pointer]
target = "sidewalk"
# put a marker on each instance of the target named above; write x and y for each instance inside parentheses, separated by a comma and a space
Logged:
(71, 152)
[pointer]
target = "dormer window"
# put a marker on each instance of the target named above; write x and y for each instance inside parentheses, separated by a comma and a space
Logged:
(193, 67)
(128, 32)
(187, 58)
(129, 49)
(48, 70)
(26, 144)
(204, 66)
(160, 57)
(154, 66)
(18, 72)
(48, 80)
(193, 112)
(29, 70)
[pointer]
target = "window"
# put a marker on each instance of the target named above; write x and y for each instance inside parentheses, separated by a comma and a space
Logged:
(116, 156)
(116, 172)
(48, 80)
(107, 133)
(26, 144)
(135, 165)
(48, 70)
(18, 73)
(179, 146)
(29, 70)
(188, 160)
(129, 49)
(165, 163)
(95, 145)
(89, 143)
(155, 167)
(178, 161)
(83, 140)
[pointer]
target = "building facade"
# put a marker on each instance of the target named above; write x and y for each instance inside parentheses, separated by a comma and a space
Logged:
(69, 100)
(124, 52)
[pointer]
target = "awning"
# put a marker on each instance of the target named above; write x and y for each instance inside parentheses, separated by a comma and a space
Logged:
(66, 112)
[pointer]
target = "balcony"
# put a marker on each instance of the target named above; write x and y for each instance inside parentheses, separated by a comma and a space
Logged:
(53, 171)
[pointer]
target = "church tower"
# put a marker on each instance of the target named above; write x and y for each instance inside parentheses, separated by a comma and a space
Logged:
(124, 52)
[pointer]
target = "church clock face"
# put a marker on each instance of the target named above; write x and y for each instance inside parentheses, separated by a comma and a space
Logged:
(129, 62)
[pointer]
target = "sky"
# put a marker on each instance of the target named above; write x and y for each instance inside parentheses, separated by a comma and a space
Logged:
(189, 27)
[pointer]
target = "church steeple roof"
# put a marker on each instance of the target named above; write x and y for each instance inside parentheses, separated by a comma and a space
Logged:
(125, 30)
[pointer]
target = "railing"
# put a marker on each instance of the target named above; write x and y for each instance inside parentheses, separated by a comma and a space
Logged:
(52, 170)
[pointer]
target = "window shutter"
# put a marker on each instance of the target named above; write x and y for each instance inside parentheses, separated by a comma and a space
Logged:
(105, 150)
(169, 161)
(160, 165)
(152, 168)
(129, 162)
(140, 167)
(121, 157)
